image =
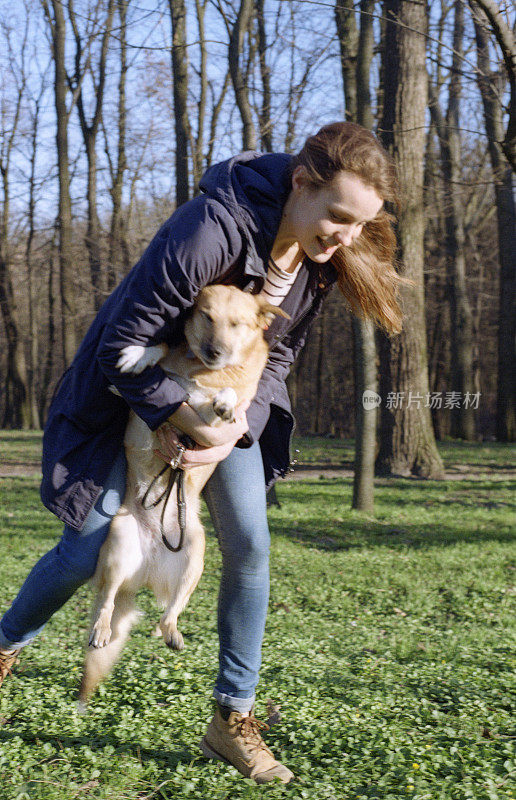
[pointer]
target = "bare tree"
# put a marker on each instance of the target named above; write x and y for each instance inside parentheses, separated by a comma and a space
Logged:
(17, 409)
(265, 72)
(461, 320)
(407, 443)
(347, 32)
(118, 257)
(56, 21)
(197, 145)
(505, 38)
(83, 66)
(180, 79)
(35, 107)
(491, 84)
(236, 43)
(356, 49)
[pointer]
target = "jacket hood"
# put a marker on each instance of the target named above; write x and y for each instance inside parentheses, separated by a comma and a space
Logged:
(253, 187)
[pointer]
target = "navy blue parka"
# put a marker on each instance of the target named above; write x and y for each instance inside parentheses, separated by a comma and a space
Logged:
(223, 236)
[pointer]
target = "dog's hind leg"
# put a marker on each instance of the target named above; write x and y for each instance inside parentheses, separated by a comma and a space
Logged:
(188, 569)
(119, 560)
(99, 661)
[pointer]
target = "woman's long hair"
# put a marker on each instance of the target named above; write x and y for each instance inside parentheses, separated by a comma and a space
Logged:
(366, 274)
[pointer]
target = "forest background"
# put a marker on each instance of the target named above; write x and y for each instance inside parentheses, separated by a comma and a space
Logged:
(110, 110)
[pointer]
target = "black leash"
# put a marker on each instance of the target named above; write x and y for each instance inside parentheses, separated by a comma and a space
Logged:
(176, 476)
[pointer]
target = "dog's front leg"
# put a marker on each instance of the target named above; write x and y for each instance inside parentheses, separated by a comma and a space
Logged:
(135, 358)
(225, 403)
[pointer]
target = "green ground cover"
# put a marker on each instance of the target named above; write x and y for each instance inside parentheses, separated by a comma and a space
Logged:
(390, 647)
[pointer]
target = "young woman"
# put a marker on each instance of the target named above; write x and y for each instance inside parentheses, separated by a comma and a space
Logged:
(290, 227)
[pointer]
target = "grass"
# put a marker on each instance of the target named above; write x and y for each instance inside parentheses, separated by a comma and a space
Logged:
(390, 646)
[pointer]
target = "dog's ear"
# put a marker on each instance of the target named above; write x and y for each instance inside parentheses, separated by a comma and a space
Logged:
(267, 312)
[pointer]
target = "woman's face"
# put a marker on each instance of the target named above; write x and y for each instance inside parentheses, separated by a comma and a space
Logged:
(326, 218)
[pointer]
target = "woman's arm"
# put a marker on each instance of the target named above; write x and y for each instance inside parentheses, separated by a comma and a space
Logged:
(187, 420)
(197, 245)
(217, 441)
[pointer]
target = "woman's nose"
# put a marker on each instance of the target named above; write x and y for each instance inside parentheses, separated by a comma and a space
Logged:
(346, 235)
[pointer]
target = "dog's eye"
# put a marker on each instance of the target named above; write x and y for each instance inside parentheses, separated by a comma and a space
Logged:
(206, 316)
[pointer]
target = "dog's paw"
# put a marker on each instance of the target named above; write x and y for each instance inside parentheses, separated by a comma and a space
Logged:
(82, 707)
(131, 359)
(134, 358)
(224, 404)
(174, 639)
(100, 635)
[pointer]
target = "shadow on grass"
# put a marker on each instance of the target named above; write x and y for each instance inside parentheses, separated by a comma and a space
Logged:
(356, 530)
(182, 754)
(357, 534)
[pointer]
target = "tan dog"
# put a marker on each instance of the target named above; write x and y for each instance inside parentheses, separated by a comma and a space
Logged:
(219, 365)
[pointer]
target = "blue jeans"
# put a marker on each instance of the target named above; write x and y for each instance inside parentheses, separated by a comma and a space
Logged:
(235, 495)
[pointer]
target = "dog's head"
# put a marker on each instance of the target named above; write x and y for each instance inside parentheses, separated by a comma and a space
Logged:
(226, 324)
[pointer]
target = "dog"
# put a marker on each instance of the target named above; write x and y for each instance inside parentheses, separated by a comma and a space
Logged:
(219, 365)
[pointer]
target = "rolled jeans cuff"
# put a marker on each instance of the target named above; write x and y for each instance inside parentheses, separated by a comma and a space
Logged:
(240, 704)
(6, 644)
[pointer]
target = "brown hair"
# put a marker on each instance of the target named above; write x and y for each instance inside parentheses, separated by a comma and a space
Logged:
(366, 274)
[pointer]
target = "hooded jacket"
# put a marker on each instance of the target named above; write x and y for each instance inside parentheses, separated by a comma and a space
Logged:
(224, 235)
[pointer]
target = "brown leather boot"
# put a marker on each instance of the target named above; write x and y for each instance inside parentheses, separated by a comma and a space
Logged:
(235, 738)
(8, 659)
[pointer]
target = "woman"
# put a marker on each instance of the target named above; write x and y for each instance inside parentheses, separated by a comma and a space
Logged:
(288, 226)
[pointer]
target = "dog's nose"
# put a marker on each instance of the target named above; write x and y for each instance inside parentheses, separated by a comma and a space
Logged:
(213, 351)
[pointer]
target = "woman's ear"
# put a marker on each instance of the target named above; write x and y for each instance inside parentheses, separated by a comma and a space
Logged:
(299, 178)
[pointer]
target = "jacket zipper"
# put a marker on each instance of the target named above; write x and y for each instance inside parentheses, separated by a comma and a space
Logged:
(283, 335)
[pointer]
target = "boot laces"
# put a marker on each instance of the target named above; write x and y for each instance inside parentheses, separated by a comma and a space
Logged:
(7, 661)
(250, 729)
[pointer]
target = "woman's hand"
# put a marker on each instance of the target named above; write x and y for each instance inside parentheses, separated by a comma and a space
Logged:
(218, 445)
(186, 420)
(197, 457)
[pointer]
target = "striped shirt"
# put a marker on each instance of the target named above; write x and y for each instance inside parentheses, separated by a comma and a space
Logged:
(278, 283)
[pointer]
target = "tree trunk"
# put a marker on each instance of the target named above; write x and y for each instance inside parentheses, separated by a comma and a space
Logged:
(364, 357)
(505, 38)
(407, 442)
(236, 43)
(118, 257)
(348, 42)
(67, 269)
(50, 356)
(365, 54)
(33, 321)
(198, 145)
(491, 92)
(89, 133)
(356, 50)
(215, 113)
(93, 229)
(320, 405)
(265, 112)
(461, 319)
(17, 409)
(180, 79)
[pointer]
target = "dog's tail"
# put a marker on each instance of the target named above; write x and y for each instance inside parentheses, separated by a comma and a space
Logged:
(100, 660)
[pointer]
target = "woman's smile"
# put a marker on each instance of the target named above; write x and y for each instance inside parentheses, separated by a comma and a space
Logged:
(320, 220)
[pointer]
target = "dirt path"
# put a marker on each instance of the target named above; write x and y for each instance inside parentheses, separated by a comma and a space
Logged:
(303, 472)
